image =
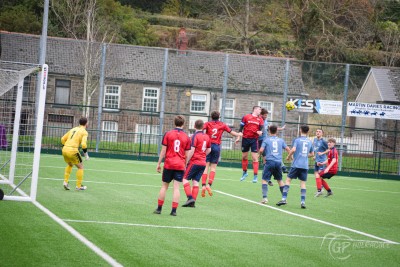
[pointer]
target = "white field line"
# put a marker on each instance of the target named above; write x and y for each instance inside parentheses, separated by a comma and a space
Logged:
(80, 237)
(111, 183)
(213, 230)
(220, 179)
(310, 218)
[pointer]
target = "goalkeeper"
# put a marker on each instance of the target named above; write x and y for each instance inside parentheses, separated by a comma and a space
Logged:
(71, 141)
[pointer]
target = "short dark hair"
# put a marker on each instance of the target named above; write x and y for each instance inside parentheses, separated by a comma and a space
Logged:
(256, 107)
(273, 129)
(332, 140)
(320, 130)
(264, 111)
(304, 129)
(179, 121)
(215, 115)
(83, 121)
(199, 124)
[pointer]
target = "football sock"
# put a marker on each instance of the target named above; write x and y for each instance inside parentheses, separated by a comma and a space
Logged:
(285, 192)
(303, 195)
(211, 178)
(195, 192)
(79, 177)
(326, 186)
(188, 190)
(67, 173)
(245, 162)
(281, 188)
(264, 188)
(204, 179)
(319, 184)
(160, 204)
(174, 206)
(255, 168)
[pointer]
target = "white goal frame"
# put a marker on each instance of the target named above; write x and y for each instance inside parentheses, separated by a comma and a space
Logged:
(40, 104)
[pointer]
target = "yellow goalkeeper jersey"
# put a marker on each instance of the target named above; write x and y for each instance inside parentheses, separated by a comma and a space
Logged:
(74, 138)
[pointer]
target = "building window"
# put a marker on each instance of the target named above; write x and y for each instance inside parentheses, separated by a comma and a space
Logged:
(198, 103)
(150, 99)
(147, 134)
(63, 88)
(268, 106)
(109, 133)
(112, 96)
(229, 110)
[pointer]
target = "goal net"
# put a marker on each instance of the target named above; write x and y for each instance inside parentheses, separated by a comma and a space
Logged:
(21, 125)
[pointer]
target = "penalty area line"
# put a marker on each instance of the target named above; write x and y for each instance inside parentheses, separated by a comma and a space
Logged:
(79, 236)
(311, 219)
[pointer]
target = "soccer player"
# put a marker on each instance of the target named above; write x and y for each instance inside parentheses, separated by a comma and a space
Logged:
(264, 116)
(302, 149)
(201, 147)
(175, 150)
(214, 129)
(272, 146)
(330, 170)
(251, 125)
(320, 148)
(71, 141)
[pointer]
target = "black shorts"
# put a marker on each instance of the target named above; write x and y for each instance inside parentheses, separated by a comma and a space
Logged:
(169, 175)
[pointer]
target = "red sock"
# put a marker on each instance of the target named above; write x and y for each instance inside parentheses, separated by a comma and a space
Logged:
(204, 178)
(195, 192)
(255, 168)
(245, 162)
(325, 184)
(174, 205)
(319, 183)
(188, 190)
(160, 203)
(211, 179)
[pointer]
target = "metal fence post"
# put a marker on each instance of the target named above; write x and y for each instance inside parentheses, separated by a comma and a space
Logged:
(164, 85)
(285, 93)
(344, 114)
(224, 87)
(101, 94)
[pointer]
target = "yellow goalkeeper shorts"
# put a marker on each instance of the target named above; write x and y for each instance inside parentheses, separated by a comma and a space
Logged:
(72, 157)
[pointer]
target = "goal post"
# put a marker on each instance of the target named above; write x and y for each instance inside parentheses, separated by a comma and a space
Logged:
(21, 127)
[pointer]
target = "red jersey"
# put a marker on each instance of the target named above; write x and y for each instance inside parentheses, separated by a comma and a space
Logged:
(333, 154)
(251, 124)
(200, 142)
(215, 129)
(176, 141)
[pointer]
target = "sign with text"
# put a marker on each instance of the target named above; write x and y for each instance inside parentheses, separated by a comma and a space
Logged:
(325, 107)
(374, 111)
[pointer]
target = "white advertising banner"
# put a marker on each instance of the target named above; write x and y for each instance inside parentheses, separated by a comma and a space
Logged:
(328, 107)
(375, 111)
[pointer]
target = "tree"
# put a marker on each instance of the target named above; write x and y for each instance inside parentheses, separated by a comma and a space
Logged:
(389, 35)
(96, 22)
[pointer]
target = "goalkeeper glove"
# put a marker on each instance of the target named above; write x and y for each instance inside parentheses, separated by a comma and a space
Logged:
(86, 156)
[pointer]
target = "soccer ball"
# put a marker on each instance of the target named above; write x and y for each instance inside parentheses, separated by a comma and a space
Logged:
(290, 105)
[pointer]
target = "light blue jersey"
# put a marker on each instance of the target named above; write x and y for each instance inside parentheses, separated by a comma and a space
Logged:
(303, 148)
(264, 132)
(273, 146)
(320, 145)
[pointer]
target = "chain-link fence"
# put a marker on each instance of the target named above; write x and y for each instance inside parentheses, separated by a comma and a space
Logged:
(131, 94)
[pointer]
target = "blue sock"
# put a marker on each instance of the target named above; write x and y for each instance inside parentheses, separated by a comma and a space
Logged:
(264, 188)
(303, 195)
(285, 192)
(281, 188)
